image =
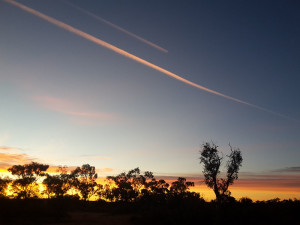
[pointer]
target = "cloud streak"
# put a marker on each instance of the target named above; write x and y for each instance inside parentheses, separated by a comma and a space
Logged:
(9, 156)
(255, 186)
(7, 149)
(3, 138)
(105, 170)
(66, 107)
(117, 27)
(137, 59)
(293, 169)
(56, 169)
(250, 180)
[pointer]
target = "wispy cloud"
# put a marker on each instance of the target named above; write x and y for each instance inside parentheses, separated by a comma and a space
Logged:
(253, 181)
(117, 27)
(3, 138)
(137, 59)
(293, 169)
(6, 148)
(11, 159)
(279, 183)
(105, 170)
(78, 113)
(55, 169)
(12, 156)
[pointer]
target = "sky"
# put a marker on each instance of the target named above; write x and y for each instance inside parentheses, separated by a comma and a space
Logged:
(125, 84)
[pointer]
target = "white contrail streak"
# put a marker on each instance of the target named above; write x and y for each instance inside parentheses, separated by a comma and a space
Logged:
(117, 27)
(135, 58)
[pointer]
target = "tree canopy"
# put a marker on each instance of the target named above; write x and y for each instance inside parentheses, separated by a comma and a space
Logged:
(33, 181)
(212, 159)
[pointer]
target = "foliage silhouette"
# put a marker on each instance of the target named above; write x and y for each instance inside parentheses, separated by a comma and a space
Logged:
(212, 160)
(132, 194)
(4, 182)
(84, 180)
(156, 191)
(25, 186)
(246, 201)
(57, 186)
(128, 186)
(181, 185)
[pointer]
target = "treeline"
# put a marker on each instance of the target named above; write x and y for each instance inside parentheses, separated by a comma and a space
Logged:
(31, 181)
(33, 196)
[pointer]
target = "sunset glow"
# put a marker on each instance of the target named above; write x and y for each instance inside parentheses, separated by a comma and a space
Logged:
(67, 99)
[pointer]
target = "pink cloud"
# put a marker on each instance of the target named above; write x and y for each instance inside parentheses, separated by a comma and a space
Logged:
(249, 181)
(76, 111)
(5, 148)
(105, 170)
(9, 156)
(55, 169)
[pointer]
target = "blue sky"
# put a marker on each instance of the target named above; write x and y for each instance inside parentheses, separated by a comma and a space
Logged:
(67, 101)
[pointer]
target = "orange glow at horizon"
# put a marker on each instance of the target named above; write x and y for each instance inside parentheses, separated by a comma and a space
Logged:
(256, 190)
(259, 193)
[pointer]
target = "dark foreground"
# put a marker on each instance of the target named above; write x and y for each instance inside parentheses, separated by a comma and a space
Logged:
(180, 211)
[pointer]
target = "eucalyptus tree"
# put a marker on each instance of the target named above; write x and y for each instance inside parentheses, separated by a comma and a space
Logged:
(27, 176)
(84, 180)
(212, 160)
(4, 182)
(128, 186)
(57, 185)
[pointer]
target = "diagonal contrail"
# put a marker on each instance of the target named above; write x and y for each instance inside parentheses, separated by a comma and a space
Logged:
(117, 27)
(135, 58)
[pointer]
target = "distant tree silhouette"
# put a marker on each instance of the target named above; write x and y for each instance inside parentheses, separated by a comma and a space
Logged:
(273, 201)
(84, 180)
(179, 190)
(128, 185)
(57, 186)
(25, 186)
(246, 201)
(4, 182)
(211, 159)
(157, 190)
(181, 185)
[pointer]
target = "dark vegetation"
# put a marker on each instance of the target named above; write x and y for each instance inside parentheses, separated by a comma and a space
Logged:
(34, 196)
(212, 161)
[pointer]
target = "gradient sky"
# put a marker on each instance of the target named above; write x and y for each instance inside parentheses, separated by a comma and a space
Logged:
(66, 100)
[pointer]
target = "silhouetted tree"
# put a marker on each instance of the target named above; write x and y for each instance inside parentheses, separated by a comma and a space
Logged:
(84, 180)
(246, 201)
(25, 186)
(57, 186)
(212, 160)
(4, 182)
(158, 186)
(128, 185)
(181, 185)
(107, 192)
(154, 191)
(273, 201)
(179, 190)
